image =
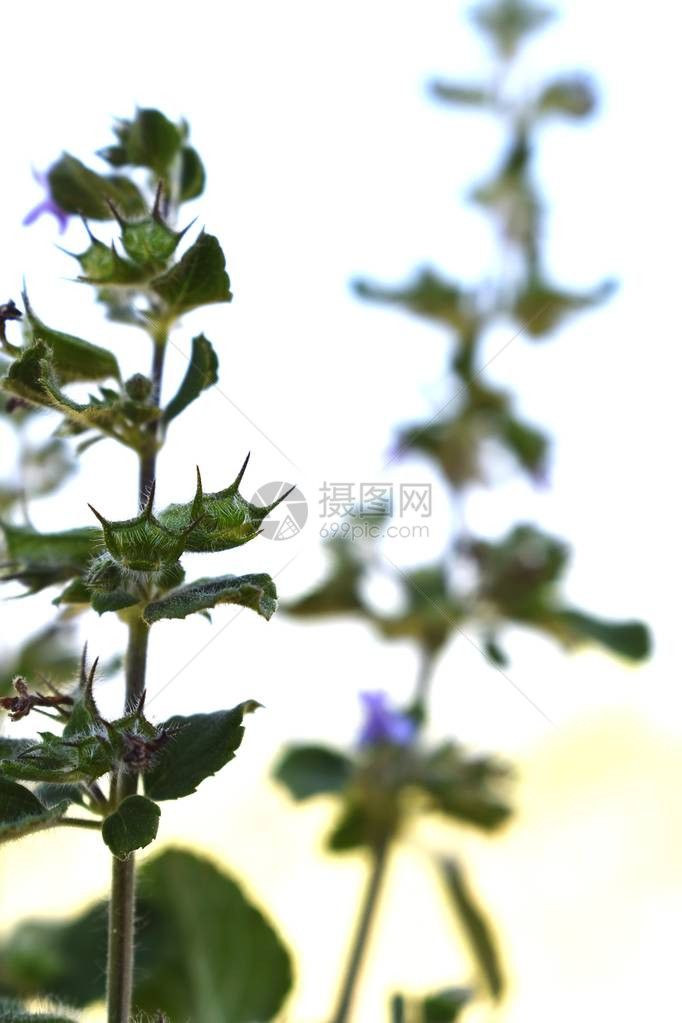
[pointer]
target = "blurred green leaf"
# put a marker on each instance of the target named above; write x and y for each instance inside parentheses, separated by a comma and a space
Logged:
(629, 639)
(149, 140)
(198, 279)
(428, 295)
(42, 559)
(200, 746)
(470, 789)
(204, 953)
(192, 175)
(541, 308)
(569, 95)
(476, 927)
(77, 189)
(132, 826)
(446, 1006)
(308, 771)
(508, 22)
(432, 612)
(201, 374)
(22, 813)
(254, 591)
(462, 94)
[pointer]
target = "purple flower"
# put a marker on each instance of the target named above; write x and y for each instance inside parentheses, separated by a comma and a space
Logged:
(48, 205)
(383, 724)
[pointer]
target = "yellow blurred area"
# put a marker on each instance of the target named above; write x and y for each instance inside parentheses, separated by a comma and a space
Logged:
(585, 886)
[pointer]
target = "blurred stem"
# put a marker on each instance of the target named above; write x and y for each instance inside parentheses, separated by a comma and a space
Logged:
(364, 925)
(424, 676)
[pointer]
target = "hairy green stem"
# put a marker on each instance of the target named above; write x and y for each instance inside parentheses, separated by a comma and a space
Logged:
(80, 822)
(121, 943)
(148, 459)
(362, 932)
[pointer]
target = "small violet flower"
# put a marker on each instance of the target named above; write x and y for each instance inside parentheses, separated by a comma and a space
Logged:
(48, 205)
(383, 724)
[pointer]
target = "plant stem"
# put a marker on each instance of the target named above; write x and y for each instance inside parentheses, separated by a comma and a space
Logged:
(362, 932)
(80, 822)
(148, 460)
(121, 944)
(121, 948)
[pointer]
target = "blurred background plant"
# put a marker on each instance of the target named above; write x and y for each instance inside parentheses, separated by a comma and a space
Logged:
(477, 590)
(479, 587)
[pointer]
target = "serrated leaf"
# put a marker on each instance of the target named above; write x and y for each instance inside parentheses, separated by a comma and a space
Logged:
(77, 189)
(476, 927)
(199, 278)
(22, 813)
(73, 358)
(193, 913)
(201, 374)
(257, 592)
(132, 826)
(308, 771)
(201, 745)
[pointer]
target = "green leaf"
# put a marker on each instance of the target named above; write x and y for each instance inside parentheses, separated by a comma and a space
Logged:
(476, 927)
(205, 952)
(150, 140)
(470, 789)
(77, 189)
(22, 813)
(257, 592)
(508, 22)
(73, 358)
(198, 279)
(308, 771)
(115, 600)
(132, 826)
(541, 308)
(568, 96)
(150, 242)
(192, 175)
(102, 264)
(445, 1006)
(42, 559)
(201, 374)
(461, 94)
(219, 521)
(629, 639)
(201, 745)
